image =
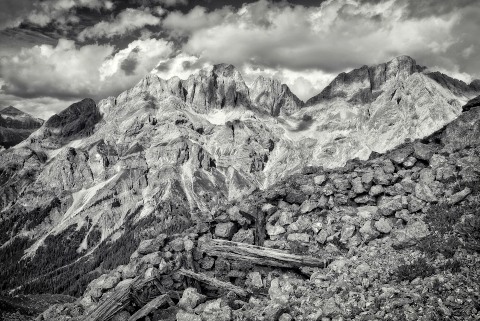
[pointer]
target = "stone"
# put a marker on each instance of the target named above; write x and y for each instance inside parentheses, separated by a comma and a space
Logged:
(188, 245)
(153, 258)
(319, 179)
(285, 317)
(234, 215)
(322, 236)
(367, 178)
(410, 162)
(295, 197)
(347, 232)
(423, 151)
(368, 232)
(244, 236)
(273, 311)
(187, 316)
(151, 272)
(410, 235)
(280, 291)
(367, 212)
(341, 184)
(415, 204)
(274, 230)
(191, 299)
(389, 205)
(383, 225)
(299, 237)
(364, 199)
(357, 185)
(376, 190)
(285, 218)
(381, 178)
(225, 230)
(121, 316)
(308, 206)
(148, 246)
(217, 310)
(423, 192)
(254, 280)
(177, 244)
(269, 209)
(460, 196)
(399, 155)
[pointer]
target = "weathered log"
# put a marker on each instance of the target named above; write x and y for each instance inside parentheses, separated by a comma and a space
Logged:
(151, 306)
(260, 255)
(214, 282)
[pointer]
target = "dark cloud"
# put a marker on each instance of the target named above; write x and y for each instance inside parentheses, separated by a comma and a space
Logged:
(428, 8)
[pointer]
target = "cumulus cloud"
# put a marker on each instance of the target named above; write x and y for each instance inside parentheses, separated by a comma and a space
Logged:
(333, 37)
(65, 71)
(126, 21)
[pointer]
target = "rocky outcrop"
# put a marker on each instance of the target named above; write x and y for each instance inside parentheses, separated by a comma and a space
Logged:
(364, 85)
(269, 95)
(15, 126)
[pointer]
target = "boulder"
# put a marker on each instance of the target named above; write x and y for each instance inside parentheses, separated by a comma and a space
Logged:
(274, 230)
(347, 232)
(383, 225)
(368, 231)
(308, 206)
(424, 192)
(191, 299)
(410, 235)
(376, 190)
(357, 185)
(217, 310)
(280, 290)
(254, 280)
(423, 151)
(187, 316)
(410, 162)
(319, 179)
(367, 212)
(341, 184)
(177, 244)
(225, 230)
(389, 205)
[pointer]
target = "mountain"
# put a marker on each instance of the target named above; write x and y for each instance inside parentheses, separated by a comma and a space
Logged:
(273, 97)
(80, 193)
(16, 125)
(385, 237)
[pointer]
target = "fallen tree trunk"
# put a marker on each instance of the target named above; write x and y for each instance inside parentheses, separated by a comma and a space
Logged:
(151, 306)
(214, 282)
(260, 255)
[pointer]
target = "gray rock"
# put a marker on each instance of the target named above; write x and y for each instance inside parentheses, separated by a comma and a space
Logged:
(410, 162)
(177, 244)
(460, 196)
(274, 230)
(191, 299)
(217, 310)
(254, 280)
(410, 235)
(187, 316)
(308, 206)
(423, 192)
(389, 205)
(225, 230)
(357, 185)
(383, 225)
(244, 236)
(367, 212)
(376, 190)
(423, 151)
(319, 179)
(368, 232)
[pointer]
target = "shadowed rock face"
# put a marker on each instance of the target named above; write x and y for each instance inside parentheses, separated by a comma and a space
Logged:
(270, 95)
(77, 120)
(167, 153)
(16, 125)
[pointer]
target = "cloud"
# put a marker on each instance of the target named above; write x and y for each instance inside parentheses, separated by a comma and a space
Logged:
(333, 37)
(13, 12)
(171, 3)
(126, 21)
(67, 72)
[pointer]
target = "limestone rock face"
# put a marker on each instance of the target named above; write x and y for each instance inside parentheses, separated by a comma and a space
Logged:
(363, 85)
(219, 88)
(270, 95)
(15, 126)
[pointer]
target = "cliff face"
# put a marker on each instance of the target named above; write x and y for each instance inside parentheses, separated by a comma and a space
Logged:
(273, 97)
(164, 154)
(16, 125)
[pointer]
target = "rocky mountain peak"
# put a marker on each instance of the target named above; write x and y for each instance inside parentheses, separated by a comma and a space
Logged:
(217, 88)
(11, 111)
(363, 85)
(270, 95)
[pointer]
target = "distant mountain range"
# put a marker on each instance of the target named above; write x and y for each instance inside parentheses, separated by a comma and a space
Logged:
(15, 126)
(167, 153)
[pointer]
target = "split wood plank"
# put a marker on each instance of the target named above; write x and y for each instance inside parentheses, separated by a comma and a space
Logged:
(214, 282)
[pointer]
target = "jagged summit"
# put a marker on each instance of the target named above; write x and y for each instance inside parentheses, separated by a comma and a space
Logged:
(274, 97)
(11, 111)
(363, 85)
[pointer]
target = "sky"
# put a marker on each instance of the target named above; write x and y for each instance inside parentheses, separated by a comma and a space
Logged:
(56, 52)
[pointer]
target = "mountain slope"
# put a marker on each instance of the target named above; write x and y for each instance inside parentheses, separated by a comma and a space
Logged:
(16, 125)
(95, 179)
